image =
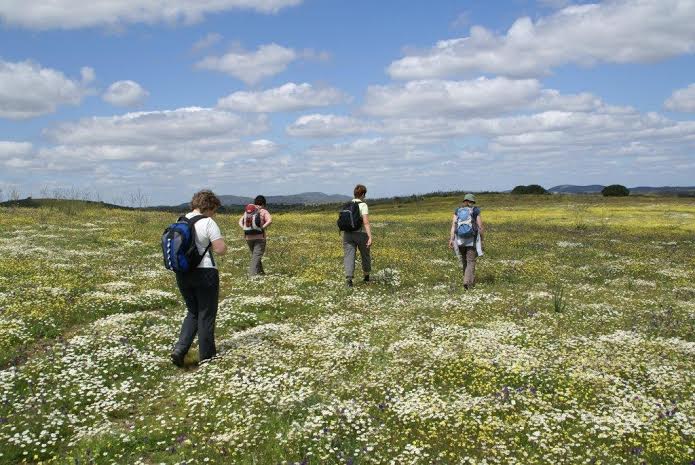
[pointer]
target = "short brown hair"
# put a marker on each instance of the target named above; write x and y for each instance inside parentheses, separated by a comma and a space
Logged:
(360, 190)
(205, 201)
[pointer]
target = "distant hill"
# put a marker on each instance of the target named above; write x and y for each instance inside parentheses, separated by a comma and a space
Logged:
(570, 189)
(59, 203)
(303, 199)
(596, 189)
(662, 190)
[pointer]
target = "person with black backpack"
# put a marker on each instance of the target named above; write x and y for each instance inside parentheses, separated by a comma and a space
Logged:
(188, 245)
(353, 221)
(466, 237)
(254, 222)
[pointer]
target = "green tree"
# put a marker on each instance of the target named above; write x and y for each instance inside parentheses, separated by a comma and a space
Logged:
(530, 189)
(615, 190)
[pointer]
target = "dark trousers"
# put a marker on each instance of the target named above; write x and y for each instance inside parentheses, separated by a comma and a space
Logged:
(200, 289)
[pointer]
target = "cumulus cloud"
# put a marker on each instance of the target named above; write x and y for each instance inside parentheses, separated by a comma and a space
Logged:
(157, 128)
(435, 97)
(615, 31)
(288, 97)
(185, 147)
(251, 67)
(28, 90)
(16, 155)
(682, 100)
(73, 14)
(11, 149)
(318, 125)
(125, 94)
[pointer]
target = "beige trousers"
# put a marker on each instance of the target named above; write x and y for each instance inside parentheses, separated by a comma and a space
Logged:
(467, 255)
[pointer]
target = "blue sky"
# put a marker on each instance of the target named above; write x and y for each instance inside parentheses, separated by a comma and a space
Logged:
(286, 96)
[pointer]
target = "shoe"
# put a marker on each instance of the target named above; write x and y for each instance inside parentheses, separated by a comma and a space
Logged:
(177, 358)
(366, 278)
(205, 361)
(465, 286)
(349, 282)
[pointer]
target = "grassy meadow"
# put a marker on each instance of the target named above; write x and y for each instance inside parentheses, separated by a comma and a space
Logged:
(577, 345)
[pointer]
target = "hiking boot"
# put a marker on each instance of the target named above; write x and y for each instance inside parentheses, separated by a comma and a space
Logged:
(177, 358)
(366, 278)
(348, 281)
(466, 287)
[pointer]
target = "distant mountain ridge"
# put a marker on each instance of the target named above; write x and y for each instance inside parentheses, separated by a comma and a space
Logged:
(597, 188)
(304, 198)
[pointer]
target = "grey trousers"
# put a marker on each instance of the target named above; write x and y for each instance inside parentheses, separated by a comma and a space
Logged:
(351, 242)
(257, 249)
(200, 289)
(467, 255)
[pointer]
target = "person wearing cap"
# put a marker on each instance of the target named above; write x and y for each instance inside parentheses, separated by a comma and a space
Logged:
(466, 248)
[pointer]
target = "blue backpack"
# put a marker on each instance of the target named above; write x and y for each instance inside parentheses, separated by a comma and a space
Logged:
(466, 227)
(178, 245)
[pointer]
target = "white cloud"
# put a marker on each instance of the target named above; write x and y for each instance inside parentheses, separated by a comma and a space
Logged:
(11, 149)
(288, 97)
(72, 14)
(125, 94)
(208, 41)
(88, 74)
(28, 90)
(434, 97)
(151, 150)
(318, 125)
(204, 126)
(16, 155)
(553, 100)
(251, 67)
(615, 31)
(682, 100)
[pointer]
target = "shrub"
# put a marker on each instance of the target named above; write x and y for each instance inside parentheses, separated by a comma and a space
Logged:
(530, 189)
(615, 190)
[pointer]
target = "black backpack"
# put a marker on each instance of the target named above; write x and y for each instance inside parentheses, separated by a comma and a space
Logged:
(350, 218)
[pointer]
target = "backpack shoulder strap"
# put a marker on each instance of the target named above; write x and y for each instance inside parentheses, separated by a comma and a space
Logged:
(195, 219)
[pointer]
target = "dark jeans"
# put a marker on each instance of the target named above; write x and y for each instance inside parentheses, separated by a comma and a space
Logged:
(200, 289)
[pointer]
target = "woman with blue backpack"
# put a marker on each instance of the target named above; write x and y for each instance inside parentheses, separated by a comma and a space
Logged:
(466, 237)
(188, 246)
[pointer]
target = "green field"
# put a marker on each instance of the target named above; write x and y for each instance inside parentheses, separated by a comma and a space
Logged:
(576, 346)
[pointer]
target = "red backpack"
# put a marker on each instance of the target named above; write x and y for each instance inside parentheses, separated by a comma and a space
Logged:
(252, 222)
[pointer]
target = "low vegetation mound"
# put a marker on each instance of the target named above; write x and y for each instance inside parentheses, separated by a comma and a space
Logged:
(530, 189)
(615, 190)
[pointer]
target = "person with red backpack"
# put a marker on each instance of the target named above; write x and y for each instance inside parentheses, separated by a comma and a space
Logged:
(254, 222)
(196, 273)
(466, 237)
(353, 221)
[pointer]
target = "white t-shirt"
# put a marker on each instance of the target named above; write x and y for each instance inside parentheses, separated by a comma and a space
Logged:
(206, 231)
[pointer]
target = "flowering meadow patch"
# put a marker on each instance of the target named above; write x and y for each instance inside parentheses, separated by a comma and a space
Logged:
(577, 345)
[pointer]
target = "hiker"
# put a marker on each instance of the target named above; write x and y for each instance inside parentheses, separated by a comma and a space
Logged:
(254, 222)
(357, 234)
(466, 237)
(200, 287)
